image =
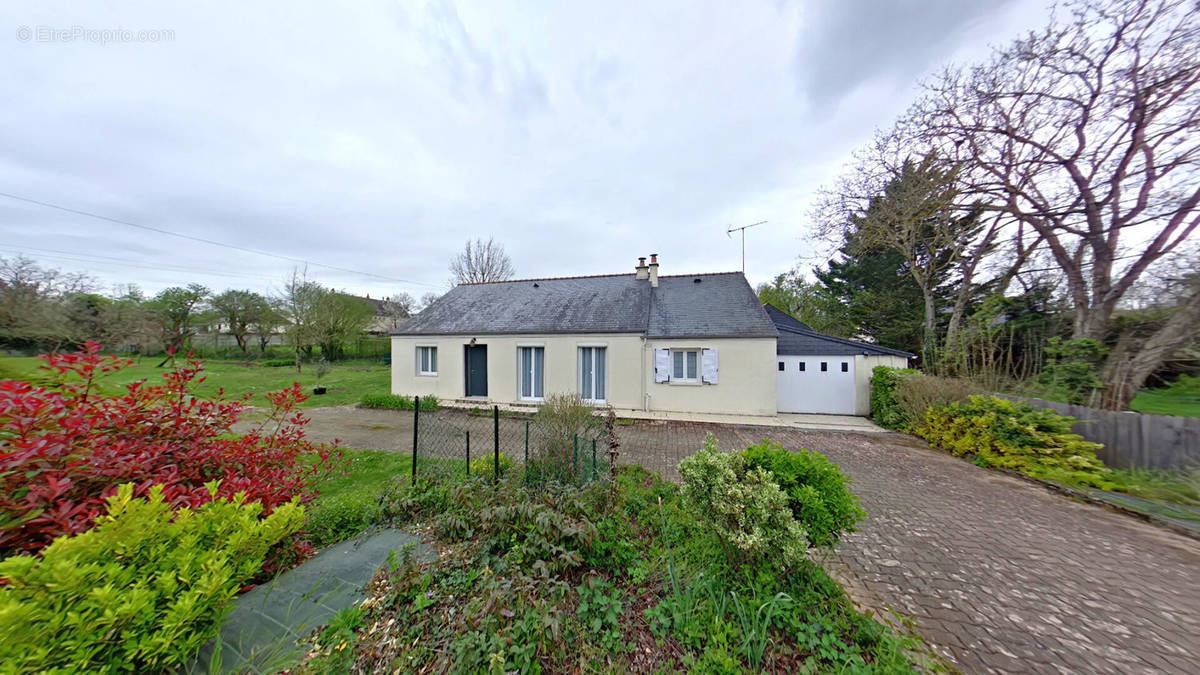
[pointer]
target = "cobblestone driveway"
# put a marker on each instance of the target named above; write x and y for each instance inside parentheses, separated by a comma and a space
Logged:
(998, 574)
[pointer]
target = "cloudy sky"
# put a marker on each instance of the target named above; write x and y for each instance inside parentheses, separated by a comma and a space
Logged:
(372, 139)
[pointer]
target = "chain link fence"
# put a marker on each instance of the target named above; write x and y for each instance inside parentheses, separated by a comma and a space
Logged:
(453, 445)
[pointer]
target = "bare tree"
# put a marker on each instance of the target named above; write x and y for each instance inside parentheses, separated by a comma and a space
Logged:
(1085, 134)
(428, 299)
(34, 308)
(396, 308)
(1175, 288)
(298, 304)
(480, 262)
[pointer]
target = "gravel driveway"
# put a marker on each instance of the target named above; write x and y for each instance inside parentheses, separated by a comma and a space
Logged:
(998, 574)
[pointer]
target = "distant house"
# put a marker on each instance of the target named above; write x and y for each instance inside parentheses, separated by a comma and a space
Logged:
(388, 317)
(685, 343)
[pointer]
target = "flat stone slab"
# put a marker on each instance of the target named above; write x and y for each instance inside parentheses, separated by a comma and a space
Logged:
(262, 633)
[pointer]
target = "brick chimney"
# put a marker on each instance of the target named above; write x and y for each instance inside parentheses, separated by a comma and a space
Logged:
(641, 271)
(653, 270)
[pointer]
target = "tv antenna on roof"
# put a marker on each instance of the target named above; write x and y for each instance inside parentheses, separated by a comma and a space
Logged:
(742, 229)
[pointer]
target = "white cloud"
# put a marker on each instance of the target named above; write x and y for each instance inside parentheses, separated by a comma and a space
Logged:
(380, 137)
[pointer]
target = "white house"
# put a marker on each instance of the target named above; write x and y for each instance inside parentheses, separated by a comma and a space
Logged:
(686, 343)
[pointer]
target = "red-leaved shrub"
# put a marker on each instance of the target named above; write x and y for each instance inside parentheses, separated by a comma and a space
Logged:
(64, 448)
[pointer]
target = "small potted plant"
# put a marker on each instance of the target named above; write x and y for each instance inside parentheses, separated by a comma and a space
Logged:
(322, 370)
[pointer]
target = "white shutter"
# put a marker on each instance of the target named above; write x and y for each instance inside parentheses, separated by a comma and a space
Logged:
(662, 365)
(708, 365)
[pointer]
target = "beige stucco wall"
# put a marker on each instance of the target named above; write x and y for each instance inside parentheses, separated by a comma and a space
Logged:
(746, 378)
(863, 367)
(746, 371)
(561, 364)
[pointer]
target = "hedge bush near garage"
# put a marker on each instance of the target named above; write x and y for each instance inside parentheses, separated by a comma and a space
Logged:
(885, 409)
(1016, 435)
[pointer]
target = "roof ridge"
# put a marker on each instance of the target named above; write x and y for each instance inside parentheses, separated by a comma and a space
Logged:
(592, 276)
(845, 341)
(516, 281)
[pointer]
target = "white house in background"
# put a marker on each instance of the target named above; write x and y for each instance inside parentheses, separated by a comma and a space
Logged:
(687, 343)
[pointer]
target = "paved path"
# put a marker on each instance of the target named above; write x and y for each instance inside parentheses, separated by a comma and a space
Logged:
(998, 574)
(261, 633)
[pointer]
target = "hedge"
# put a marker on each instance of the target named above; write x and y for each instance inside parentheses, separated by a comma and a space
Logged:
(397, 402)
(885, 410)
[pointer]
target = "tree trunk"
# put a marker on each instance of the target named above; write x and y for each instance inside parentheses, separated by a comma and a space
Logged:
(1128, 366)
(929, 348)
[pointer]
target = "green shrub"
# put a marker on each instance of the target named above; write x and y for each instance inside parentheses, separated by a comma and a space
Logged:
(279, 363)
(1071, 371)
(141, 591)
(817, 490)
(916, 393)
(742, 506)
(884, 408)
(486, 465)
(397, 402)
(555, 427)
(1016, 435)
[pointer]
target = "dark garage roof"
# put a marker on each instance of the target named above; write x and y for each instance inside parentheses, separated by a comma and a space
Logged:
(797, 339)
(694, 305)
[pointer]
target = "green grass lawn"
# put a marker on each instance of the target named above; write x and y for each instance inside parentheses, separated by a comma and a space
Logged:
(346, 503)
(1182, 399)
(346, 383)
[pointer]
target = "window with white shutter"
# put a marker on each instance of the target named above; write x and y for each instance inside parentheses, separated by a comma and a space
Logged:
(708, 365)
(662, 365)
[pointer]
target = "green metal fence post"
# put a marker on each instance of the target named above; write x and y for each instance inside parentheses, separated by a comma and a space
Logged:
(575, 460)
(416, 425)
(593, 459)
(496, 438)
(526, 451)
(468, 454)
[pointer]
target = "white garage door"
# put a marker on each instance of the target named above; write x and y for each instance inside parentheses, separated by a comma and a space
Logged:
(815, 384)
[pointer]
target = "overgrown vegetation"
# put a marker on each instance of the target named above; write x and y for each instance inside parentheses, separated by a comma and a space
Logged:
(744, 507)
(914, 394)
(397, 402)
(818, 492)
(1072, 370)
(139, 592)
(885, 409)
(560, 578)
(562, 433)
(1016, 435)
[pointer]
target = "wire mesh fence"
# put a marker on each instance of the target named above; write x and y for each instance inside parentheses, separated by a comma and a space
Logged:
(453, 445)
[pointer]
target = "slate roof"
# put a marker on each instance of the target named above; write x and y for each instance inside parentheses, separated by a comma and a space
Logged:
(784, 320)
(797, 339)
(719, 305)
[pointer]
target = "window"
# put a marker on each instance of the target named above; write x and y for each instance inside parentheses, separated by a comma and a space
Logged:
(531, 372)
(845, 367)
(685, 365)
(781, 366)
(593, 372)
(427, 360)
(802, 366)
(824, 366)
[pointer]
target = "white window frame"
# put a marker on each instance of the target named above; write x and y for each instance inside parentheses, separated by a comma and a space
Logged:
(603, 398)
(420, 367)
(695, 379)
(534, 374)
